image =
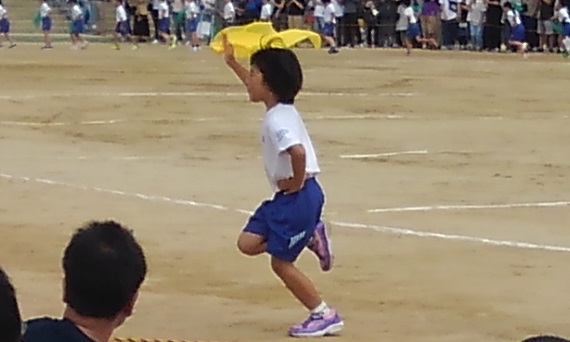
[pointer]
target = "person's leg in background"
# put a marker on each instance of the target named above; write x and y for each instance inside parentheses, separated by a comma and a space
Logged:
(445, 34)
(154, 15)
(350, 22)
(339, 31)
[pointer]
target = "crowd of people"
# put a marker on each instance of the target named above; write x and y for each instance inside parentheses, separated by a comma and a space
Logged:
(490, 25)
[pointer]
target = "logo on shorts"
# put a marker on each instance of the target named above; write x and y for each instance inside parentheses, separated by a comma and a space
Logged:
(295, 239)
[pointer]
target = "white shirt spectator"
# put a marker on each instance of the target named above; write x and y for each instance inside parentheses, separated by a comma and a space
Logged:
(229, 12)
(446, 12)
(402, 23)
(476, 14)
(3, 13)
(319, 9)
(266, 11)
(563, 15)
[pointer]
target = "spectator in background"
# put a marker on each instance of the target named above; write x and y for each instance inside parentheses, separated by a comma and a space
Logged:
(104, 267)
(178, 18)
(371, 21)
(463, 25)
(10, 319)
(319, 14)
(430, 21)
(266, 10)
(339, 13)
(475, 17)
(449, 23)
(279, 15)
(141, 27)
(492, 28)
(229, 13)
(546, 34)
(350, 22)
(295, 13)
(252, 11)
(401, 25)
(528, 17)
(154, 6)
(387, 18)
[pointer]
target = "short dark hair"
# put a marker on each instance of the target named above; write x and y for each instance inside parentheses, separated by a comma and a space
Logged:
(10, 318)
(104, 268)
(281, 72)
(508, 5)
(545, 338)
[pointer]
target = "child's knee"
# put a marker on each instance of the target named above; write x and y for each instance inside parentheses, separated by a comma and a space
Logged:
(250, 244)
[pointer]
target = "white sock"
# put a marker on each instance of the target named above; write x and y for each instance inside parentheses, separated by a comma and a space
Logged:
(321, 308)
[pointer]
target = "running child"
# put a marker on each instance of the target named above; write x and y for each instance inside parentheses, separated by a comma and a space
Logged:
(45, 14)
(5, 26)
(122, 26)
(164, 24)
(77, 26)
(329, 26)
(413, 32)
(291, 221)
(518, 35)
(564, 20)
(192, 12)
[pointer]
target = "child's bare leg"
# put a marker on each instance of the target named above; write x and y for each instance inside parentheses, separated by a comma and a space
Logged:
(166, 38)
(116, 40)
(47, 38)
(298, 283)
(408, 45)
(251, 244)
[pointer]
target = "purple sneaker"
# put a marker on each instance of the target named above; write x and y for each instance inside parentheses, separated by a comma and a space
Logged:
(318, 325)
(321, 246)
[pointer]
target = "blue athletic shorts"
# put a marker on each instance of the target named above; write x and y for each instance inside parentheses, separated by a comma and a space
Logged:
(287, 222)
(191, 25)
(518, 34)
(78, 27)
(328, 30)
(164, 25)
(413, 31)
(122, 28)
(566, 29)
(46, 24)
(4, 26)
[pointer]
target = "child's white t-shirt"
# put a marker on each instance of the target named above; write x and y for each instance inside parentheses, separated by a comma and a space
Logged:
(283, 128)
(163, 10)
(192, 10)
(329, 15)
(409, 13)
(120, 14)
(76, 12)
(44, 10)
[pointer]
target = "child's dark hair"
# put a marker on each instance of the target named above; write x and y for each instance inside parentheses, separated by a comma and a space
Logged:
(326, 1)
(508, 5)
(281, 72)
(406, 3)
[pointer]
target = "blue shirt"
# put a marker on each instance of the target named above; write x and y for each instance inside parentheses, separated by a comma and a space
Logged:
(53, 330)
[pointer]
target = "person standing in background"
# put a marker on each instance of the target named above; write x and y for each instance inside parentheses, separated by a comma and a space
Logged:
(475, 17)
(350, 22)
(387, 18)
(178, 16)
(546, 34)
(295, 12)
(430, 21)
(339, 13)
(492, 28)
(449, 23)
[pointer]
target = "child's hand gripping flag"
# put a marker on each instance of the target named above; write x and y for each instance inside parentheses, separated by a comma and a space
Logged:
(248, 39)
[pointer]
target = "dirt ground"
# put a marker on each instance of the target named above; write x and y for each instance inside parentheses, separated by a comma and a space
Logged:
(138, 135)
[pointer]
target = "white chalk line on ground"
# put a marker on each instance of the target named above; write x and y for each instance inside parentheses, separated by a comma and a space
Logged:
(377, 155)
(472, 207)
(193, 94)
(209, 119)
(398, 153)
(381, 229)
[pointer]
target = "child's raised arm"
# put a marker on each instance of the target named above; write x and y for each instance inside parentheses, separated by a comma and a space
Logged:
(241, 72)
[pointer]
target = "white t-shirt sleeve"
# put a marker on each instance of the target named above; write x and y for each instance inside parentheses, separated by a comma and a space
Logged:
(281, 135)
